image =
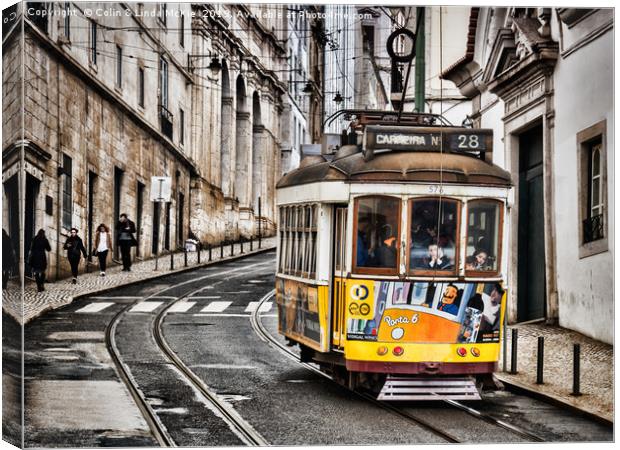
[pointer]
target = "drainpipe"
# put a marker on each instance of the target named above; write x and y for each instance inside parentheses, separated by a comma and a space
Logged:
(58, 165)
(420, 62)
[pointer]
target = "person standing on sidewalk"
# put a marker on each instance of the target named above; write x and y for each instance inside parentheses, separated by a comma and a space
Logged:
(37, 259)
(75, 250)
(8, 259)
(125, 229)
(103, 244)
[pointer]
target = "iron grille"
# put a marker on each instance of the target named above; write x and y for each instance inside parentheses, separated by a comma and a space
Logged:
(165, 117)
(593, 229)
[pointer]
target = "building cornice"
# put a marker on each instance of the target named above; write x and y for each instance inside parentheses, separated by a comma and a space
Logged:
(78, 70)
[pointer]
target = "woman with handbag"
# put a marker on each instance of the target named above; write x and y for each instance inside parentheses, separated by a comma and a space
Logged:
(103, 245)
(75, 250)
(37, 259)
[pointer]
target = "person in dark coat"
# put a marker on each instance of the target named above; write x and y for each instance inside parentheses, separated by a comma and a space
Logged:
(9, 261)
(75, 250)
(125, 229)
(37, 258)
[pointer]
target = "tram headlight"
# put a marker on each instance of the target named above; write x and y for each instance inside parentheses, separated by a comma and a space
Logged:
(475, 351)
(382, 350)
(398, 351)
(397, 333)
(461, 351)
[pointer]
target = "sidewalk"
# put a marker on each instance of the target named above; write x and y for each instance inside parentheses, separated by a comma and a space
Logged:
(63, 292)
(596, 374)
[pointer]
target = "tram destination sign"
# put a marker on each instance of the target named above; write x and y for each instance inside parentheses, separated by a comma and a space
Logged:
(378, 138)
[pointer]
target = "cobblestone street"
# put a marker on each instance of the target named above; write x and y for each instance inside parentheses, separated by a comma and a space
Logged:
(63, 292)
(597, 369)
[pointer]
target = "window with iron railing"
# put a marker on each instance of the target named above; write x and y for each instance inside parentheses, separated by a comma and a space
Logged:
(593, 225)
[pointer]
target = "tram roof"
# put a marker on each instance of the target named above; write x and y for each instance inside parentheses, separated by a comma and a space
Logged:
(399, 167)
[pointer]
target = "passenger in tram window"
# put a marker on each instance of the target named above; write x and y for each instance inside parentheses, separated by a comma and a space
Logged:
(386, 253)
(436, 259)
(363, 242)
(479, 261)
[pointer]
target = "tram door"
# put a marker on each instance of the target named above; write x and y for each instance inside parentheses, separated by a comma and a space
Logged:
(531, 257)
(339, 288)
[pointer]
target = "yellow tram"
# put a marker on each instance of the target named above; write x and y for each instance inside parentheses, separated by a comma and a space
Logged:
(392, 257)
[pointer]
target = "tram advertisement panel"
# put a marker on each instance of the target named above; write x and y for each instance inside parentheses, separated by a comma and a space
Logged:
(298, 311)
(443, 312)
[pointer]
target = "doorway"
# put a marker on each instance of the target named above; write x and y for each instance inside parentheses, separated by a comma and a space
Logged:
(90, 228)
(156, 213)
(531, 284)
(338, 322)
(30, 219)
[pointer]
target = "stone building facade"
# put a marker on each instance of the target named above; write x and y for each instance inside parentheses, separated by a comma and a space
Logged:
(115, 94)
(542, 78)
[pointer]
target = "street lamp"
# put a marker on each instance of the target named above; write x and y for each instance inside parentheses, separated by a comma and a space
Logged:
(307, 88)
(338, 98)
(215, 66)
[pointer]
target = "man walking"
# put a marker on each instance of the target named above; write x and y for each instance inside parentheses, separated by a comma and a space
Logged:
(125, 229)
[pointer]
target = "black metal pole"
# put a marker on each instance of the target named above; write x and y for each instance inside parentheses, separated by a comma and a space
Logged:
(221, 249)
(171, 260)
(210, 252)
(232, 248)
(540, 360)
(251, 246)
(259, 221)
(241, 242)
(513, 351)
(199, 248)
(185, 256)
(576, 368)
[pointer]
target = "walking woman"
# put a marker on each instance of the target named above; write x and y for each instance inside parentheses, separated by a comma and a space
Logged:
(37, 258)
(103, 245)
(75, 250)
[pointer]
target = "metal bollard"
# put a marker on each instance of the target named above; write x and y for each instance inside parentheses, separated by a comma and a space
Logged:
(199, 250)
(171, 260)
(210, 252)
(241, 242)
(540, 360)
(576, 369)
(222, 250)
(185, 258)
(513, 351)
(232, 248)
(251, 238)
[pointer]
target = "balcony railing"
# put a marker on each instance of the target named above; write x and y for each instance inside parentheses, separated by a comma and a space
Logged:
(593, 229)
(165, 118)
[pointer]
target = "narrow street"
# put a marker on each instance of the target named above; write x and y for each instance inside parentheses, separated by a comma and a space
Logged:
(204, 317)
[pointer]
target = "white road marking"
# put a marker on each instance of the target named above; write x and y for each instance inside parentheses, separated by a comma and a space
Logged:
(264, 307)
(94, 307)
(115, 298)
(146, 307)
(230, 315)
(216, 307)
(237, 292)
(164, 296)
(206, 297)
(181, 307)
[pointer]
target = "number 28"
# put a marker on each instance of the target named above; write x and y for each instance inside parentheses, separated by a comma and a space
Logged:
(469, 141)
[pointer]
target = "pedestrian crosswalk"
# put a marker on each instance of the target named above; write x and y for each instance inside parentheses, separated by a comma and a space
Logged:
(219, 308)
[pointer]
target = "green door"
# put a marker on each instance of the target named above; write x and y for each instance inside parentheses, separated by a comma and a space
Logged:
(531, 252)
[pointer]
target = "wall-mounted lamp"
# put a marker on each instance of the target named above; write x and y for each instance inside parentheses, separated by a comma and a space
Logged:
(307, 88)
(338, 98)
(467, 122)
(215, 66)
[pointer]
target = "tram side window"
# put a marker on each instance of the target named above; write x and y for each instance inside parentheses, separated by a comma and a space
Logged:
(377, 227)
(298, 235)
(433, 235)
(483, 225)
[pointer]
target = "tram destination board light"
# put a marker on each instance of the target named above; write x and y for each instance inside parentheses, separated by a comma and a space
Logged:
(381, 138)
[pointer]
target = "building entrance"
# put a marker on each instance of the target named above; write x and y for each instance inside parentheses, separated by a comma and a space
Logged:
(531, 285)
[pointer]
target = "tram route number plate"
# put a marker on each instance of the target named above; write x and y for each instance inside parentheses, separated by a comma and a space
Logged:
(380, 138)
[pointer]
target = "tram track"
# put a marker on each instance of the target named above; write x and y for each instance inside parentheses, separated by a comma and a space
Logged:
(264, 335)
(242, 429)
